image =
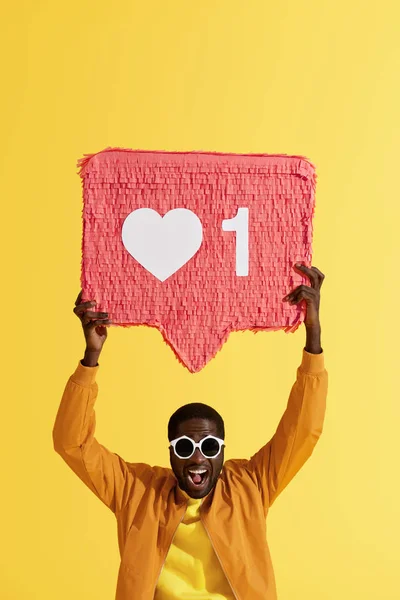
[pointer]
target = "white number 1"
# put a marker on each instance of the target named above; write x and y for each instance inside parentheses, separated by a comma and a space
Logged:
(240, 224)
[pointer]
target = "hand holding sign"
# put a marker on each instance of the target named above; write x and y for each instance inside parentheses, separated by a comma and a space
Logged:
(309, 294)
(196, 244)
(94, 325)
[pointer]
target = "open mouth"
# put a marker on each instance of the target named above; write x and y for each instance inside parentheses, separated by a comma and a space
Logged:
(197, 479)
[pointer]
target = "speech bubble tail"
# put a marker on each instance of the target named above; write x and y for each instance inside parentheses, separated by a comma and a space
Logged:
(191, 348)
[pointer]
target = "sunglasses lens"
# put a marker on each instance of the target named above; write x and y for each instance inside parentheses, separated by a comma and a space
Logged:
(184, 448)
(210, 447)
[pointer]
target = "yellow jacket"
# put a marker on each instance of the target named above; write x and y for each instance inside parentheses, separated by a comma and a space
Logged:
(149, 505)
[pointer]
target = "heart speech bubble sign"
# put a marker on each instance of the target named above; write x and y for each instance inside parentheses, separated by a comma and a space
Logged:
(196, 244)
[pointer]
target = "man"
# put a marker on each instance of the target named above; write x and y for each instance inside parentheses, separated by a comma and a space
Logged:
(197, 531)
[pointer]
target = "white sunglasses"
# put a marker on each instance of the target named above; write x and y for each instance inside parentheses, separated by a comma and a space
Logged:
(185, 447)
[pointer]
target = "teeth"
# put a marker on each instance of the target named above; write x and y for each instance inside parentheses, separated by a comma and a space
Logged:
(198, 471)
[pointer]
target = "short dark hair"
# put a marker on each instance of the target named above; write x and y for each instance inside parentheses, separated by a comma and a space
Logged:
(195, 410)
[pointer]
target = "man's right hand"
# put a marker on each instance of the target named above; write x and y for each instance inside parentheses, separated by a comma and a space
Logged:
(94, 329)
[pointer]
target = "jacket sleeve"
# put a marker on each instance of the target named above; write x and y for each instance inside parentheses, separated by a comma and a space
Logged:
(105, 473)
(299, 429)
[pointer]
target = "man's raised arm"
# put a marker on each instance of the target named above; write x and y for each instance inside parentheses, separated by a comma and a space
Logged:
(300, 427)
(105, 473)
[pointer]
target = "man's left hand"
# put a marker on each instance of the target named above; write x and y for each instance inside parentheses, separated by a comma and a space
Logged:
(311, 295)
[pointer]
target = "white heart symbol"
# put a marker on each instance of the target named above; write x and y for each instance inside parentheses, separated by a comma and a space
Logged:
(162, 245)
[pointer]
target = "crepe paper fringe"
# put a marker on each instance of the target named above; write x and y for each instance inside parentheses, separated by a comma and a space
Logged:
(197, 308)
(306, 170)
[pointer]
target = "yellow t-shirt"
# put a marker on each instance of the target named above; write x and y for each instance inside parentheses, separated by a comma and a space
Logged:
(192, 569)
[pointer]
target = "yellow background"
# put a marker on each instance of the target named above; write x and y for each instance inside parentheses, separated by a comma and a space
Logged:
(318, 78)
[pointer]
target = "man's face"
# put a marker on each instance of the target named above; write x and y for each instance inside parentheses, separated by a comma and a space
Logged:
(197, 429)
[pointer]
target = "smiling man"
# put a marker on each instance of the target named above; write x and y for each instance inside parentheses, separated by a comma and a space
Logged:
(197, 531)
